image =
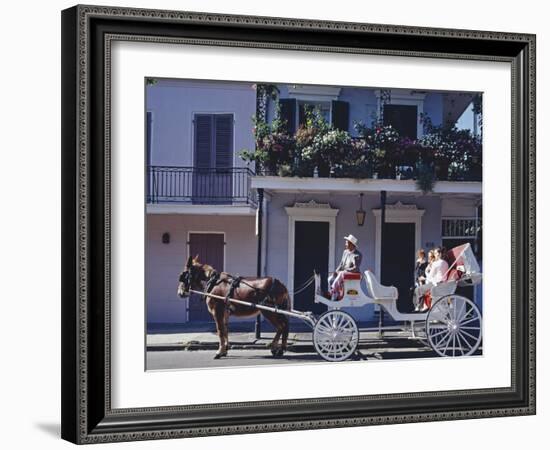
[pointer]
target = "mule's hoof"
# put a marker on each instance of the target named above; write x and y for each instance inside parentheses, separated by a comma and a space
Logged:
(219, 355)
(277, 352)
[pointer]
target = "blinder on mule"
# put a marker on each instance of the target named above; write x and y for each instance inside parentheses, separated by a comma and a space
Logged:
(185, 278)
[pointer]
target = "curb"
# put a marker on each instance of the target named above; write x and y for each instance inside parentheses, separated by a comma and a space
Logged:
(197, 346)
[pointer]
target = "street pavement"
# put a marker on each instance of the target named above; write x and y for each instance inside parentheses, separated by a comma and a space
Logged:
(166, 351)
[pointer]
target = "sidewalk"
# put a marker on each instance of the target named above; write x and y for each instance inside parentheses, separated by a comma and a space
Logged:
(238, 340)
(300, 341)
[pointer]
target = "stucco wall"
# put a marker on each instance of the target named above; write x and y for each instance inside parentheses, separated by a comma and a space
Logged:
(363, 105)
(164, 262)
(433, 107)
(277, 239)
(277, 263)
(173, 104)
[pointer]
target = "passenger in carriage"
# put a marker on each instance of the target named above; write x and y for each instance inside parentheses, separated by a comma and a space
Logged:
(420, 267)
(351, 261)
(420, 276)
(431, 259)
(435, 274)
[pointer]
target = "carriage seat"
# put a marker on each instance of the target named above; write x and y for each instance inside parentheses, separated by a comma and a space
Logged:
(379, 291)
(443, 289)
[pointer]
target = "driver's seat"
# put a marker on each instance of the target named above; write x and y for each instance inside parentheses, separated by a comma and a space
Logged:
(377, 290)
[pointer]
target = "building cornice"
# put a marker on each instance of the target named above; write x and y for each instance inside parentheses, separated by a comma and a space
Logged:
(275, 184)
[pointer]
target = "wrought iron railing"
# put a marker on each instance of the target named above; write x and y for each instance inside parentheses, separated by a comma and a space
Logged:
(192, 185)
(402, 163)
(460, 227)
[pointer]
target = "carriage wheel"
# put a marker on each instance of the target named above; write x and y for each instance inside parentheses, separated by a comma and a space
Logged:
(335, 336)
(453, 326)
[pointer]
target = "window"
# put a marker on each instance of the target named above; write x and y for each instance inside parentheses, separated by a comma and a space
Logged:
(335, 112)
(460, 227)
(401, 108)
(403, 118)
(322, 107)
(213, 173)
(213, 141)
(459, 230)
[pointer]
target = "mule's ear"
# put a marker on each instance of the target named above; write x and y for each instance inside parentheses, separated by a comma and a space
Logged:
(196, 258)
(189, 261)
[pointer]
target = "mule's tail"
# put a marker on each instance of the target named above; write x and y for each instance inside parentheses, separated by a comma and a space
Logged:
(280, 294)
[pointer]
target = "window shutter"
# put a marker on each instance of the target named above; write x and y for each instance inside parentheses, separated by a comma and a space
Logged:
(224, 140)
(203, 141)
(288, 113)
(340, 115)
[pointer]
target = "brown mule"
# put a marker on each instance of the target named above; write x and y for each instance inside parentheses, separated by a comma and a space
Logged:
(265, 290)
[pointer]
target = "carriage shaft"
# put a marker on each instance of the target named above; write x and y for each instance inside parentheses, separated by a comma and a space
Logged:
(299, 315)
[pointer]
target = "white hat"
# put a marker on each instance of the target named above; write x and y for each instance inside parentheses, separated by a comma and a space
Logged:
(352, 239)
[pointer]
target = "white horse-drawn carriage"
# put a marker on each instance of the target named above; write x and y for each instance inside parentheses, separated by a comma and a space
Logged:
(452, 326)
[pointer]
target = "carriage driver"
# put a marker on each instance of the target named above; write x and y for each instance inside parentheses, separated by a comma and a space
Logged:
(351, 260)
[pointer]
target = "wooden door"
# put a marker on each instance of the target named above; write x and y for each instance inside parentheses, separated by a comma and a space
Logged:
(311, 248)
(210, 248)
(398, 258)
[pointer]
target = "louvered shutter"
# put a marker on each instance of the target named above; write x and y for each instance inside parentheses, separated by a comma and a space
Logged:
(203, 141)
(288, 113)
(340, 115)
(224, 140)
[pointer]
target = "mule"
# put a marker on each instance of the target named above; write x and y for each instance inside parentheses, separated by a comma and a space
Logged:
(265, 290)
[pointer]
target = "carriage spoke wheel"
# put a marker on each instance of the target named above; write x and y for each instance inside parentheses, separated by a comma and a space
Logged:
(335, 336)
(453, 326)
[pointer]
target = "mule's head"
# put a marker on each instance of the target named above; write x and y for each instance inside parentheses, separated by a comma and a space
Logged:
(192, 277)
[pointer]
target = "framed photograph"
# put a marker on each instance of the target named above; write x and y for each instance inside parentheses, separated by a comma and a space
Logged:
(249, 199)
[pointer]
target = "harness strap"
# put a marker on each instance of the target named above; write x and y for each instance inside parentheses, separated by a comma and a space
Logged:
(236, 281)
(234, 285)
(212, 282)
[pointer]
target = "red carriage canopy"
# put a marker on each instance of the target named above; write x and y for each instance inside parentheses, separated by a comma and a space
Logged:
(461, 259)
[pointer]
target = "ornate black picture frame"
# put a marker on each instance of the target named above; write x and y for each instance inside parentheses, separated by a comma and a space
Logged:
(87, 33)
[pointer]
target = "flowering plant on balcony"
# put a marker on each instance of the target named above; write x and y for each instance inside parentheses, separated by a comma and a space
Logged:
(382, 147)
(317, 149)
(456, 153)
(275, 147)
(327, 149)
(354, 163)
(307, 156)
(411, 152)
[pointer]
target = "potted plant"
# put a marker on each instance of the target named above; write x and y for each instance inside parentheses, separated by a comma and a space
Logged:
(425, 178)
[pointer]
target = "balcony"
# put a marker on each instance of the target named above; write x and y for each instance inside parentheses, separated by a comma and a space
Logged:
(196, 186)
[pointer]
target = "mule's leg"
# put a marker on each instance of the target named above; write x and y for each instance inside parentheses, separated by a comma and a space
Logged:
(225, 331)
(286, 329)
(275, 320)
(283, 326)
(219, 317)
